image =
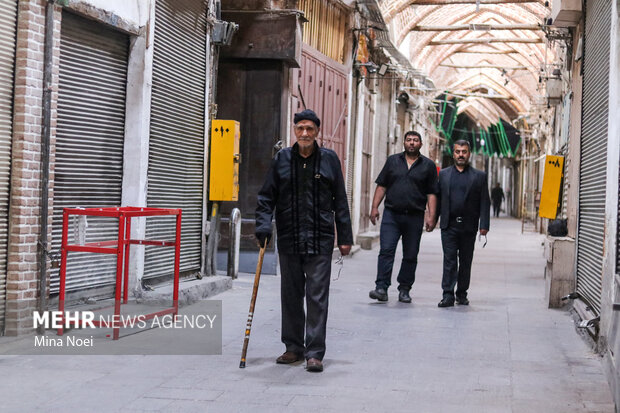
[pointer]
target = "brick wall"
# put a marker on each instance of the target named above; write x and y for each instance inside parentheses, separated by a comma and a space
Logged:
(24, 209)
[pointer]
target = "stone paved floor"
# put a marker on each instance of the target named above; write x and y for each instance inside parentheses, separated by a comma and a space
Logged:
(506, 352)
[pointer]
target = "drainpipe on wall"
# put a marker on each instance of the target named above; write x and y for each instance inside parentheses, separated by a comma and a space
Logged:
(48, 57)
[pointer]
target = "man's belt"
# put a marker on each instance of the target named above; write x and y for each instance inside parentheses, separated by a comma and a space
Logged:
(407, 211)
(458, 220)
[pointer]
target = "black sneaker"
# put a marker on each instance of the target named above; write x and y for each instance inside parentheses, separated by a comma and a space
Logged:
(379, 294)
(404, 297)
(446, 302)
(462, 301)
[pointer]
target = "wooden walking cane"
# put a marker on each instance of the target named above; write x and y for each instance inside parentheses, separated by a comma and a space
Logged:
(248, 327)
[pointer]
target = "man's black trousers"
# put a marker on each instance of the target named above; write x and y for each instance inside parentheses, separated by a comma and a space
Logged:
(458, 253)
(496, 208)
(309, 276)
(393, 227)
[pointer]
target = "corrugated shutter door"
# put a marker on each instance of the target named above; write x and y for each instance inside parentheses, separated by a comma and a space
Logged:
(565, 134)
(8, 17)
(89, 141)
(565, 186)
(595, 107)
(176, 148)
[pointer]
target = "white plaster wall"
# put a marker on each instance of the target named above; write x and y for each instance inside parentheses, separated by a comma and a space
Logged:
(572, 162)
(357, 173)
(210, 62)
(134, 11)
(380, 129)
(137, 130)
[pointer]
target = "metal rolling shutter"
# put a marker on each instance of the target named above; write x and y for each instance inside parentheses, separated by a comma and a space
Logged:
(176, 149)
(565, 134)
(565, 187)
(350, 172)
(89, 141)
(8, 17)
(595, 108)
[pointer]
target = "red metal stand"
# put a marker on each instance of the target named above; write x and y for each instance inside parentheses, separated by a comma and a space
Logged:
(120, 247)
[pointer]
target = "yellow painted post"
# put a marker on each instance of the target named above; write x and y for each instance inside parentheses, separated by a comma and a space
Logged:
(225, 159)
(552, 179)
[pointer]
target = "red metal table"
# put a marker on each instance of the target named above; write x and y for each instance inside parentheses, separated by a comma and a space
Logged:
(120, 247)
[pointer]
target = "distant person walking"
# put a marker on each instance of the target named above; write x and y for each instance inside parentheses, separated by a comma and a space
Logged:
(497, 196)
(464, 205)
(408, 182)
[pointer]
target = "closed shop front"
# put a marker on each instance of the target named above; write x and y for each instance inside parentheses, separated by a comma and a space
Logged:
(177, 135)
(594, 136)
(8, 16)
(88, 166)
(90, 134)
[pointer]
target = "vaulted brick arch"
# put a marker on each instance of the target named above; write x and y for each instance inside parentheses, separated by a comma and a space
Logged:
(508, 68)
(392, 8)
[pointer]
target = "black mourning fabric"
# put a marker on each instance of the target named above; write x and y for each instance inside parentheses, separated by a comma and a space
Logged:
(514, 137)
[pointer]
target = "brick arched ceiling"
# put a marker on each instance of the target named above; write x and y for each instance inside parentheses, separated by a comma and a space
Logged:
(490, 54)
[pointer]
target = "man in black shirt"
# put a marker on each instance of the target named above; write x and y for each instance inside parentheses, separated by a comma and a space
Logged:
(408, 182)
(464, 205)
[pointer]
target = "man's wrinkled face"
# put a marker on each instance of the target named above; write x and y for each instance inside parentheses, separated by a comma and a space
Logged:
(306, 132)
(461, 155)
(412, 144)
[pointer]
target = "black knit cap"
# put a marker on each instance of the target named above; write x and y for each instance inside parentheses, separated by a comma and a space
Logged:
(307, 114)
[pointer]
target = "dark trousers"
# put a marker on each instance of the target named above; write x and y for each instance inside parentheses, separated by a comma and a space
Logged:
(309, 276)
(496, 208)
(393, 227)
(458, 245)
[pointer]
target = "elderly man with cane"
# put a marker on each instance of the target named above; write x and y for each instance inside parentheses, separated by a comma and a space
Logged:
(305, 188)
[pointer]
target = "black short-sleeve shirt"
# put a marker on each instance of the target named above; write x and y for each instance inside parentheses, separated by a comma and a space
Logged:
(407, 188)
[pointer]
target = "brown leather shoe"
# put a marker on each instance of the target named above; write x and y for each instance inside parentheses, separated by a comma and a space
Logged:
(314, 365)
(289, 357)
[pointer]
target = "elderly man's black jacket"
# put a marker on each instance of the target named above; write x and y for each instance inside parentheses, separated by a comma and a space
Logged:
(325, 202)
(477, 203)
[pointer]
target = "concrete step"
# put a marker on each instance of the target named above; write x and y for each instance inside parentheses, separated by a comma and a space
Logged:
(190, 291)
(367, 240)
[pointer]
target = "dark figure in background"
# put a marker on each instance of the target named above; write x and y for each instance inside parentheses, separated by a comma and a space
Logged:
(305, 187)
(497, 196)
(464, 206)
(408, 182)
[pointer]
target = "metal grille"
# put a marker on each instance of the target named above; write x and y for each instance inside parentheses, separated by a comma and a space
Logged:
(592, 182)
(350, 172)
(565, 137)
(176, 148)
(326, 27)
(89, 141)
(565, 186)
(8, 16)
